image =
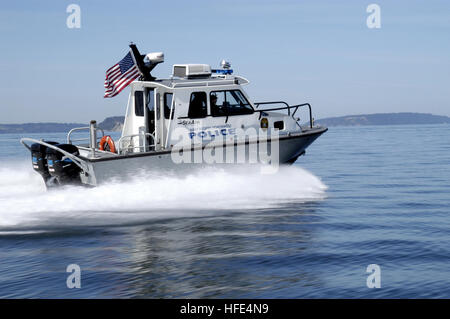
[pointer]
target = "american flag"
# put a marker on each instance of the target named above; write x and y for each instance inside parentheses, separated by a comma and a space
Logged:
(120, 75)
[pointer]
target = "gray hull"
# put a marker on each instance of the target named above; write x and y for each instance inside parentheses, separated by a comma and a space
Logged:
(103, 170)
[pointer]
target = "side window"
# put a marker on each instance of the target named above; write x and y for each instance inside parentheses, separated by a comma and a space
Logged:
(151, 100)
(197, 105)
(168, 97)
(237, 103)
(139, 103)
(228, 103)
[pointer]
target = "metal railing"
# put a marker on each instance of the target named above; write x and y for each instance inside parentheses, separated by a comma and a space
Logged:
(132, 148)
(70, 140)
(287, 107)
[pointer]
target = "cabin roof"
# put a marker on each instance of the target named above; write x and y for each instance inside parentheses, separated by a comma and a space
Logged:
(199, 82)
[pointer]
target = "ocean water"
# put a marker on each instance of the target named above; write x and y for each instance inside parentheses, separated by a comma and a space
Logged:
(361, 196)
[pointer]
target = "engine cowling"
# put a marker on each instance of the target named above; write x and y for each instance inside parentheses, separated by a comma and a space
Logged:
(39, 159)
(63, 169)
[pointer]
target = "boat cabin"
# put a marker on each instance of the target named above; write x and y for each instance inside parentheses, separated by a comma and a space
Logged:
(196, 104)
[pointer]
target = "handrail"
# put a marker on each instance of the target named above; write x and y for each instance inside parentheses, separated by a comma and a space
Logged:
(69, 141)
(287, 107)
(79, 162)
(271, 102)
(170, 122)
(119, 142)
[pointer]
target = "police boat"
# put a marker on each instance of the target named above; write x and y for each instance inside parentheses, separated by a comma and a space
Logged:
(198, 116)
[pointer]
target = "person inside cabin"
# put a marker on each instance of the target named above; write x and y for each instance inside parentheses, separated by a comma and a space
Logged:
(213, 102)
(216, 110)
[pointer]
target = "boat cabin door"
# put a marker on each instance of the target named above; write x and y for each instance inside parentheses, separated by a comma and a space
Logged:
(151, 121)
(156, 122)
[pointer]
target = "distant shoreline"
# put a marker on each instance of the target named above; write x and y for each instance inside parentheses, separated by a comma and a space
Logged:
(384, 119)
(115, 123)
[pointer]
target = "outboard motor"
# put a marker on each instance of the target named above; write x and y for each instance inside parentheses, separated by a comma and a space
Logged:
(39, 160)
(64, 170)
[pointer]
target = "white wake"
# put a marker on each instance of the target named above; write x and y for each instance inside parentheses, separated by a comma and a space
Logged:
(24, 202)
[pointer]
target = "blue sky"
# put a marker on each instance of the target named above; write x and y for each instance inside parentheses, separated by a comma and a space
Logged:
(299, 51)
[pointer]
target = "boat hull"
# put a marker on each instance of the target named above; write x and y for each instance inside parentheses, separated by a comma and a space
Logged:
(123, 167)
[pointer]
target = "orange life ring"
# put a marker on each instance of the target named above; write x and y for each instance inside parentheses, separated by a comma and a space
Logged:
(107, 144)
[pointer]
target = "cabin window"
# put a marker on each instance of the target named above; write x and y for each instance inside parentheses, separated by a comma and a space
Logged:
(151, 100)
(197, 105)
(139, 103)
(228, 103)
(279, 125)
(168, 97)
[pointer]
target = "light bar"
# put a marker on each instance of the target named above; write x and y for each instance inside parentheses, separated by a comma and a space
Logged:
(221, 71)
